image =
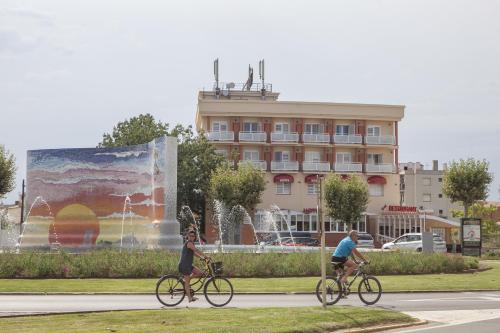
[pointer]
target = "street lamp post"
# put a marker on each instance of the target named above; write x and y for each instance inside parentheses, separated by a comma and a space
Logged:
(319, 210)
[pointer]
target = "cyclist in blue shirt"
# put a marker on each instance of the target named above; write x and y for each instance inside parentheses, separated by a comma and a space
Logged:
(346, 247)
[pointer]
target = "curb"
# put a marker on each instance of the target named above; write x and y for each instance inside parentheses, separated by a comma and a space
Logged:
(382, 327)
(238, 293)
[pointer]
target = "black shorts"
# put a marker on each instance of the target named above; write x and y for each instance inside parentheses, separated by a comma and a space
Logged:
(341, 260)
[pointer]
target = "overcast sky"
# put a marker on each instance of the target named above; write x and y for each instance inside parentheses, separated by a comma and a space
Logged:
(70, 70)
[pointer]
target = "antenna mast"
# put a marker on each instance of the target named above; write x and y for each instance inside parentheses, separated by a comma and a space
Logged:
(261, 75)
(216, 75)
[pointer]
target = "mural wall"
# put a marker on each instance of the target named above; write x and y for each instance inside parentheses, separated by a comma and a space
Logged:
(95, 197)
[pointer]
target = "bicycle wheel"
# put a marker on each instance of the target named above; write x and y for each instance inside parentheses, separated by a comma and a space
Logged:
(369, 290)
(170, 290)
(218, 291)
(333, 290)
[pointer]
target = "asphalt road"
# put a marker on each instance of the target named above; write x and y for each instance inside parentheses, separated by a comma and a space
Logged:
(460, 312)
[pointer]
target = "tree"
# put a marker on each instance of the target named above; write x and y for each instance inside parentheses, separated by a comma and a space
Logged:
(243, 186)
(136, 130)
(196, 158)
(7, 171)
(346, 198)
(467, 181)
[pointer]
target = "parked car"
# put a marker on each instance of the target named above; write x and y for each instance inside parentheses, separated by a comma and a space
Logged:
(300, 239)
(365, 240)
(413, 242)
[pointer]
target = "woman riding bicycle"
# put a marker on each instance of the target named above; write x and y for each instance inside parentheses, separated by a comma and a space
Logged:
(186, 267)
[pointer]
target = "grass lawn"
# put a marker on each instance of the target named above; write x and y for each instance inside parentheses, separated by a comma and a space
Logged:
(489, 279)
(305, 319)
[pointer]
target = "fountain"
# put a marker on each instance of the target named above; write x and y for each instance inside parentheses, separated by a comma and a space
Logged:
(276, 210)
(126, 204)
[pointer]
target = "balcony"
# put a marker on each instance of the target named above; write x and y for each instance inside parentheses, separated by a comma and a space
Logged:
(348, 139)
(380, 168)
(260, 165)
(284, 166)
(316, 138)
(284, 137)
(348, 167)
(253, 137)
(220, 136)
(380, 140)
(316, 166)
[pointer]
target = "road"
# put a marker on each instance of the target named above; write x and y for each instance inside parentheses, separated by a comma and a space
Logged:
(457, 312)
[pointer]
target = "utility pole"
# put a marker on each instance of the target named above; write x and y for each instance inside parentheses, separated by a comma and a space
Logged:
(22, 211)
(322, 233)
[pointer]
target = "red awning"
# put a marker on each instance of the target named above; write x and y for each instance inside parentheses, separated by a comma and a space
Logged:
(283, 178)
(377, 180)
(311, 178)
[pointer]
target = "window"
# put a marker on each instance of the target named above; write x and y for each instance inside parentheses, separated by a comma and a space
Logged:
(426, 197)
(219, 126)
(312, 188)
(313, 128)
(251, 127)
(440, 195)
(342, 130)
(282, 156)
(251, 155)
(361, 227)
(281, 127)
(376, 190)
(222, 152)
(334, 226)
(375, 158)
(439, 231)
(440, 212)
(426, 181)
(312, 156)
(373, 131)
(284, 188)
(440, 180)
(343, 157)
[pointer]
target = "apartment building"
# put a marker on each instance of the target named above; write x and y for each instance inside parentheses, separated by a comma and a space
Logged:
(294, 142)
(423, 188)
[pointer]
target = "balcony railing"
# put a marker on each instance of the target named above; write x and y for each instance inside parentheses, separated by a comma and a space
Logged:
(349, 139)
(284, 166)
(348, 167)
(261, 165)
(220, 136)
(284, 137)
(380, 140)
(316, 166)
(316, 138)
(380, 168)
(253, 136)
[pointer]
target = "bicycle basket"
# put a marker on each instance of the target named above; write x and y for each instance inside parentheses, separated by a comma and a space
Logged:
(217, 267)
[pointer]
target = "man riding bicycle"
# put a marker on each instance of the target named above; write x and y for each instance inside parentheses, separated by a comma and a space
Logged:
(346, 247)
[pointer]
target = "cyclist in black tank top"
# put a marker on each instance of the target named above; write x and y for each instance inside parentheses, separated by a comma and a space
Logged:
(186, 267)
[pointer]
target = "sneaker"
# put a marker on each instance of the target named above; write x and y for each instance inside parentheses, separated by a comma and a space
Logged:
(193, 299)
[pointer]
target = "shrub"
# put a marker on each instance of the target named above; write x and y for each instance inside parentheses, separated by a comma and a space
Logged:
(150, 264)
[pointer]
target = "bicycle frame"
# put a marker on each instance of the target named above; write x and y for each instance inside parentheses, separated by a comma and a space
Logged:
(359, 271)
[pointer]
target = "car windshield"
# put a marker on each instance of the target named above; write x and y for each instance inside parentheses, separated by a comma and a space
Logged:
(365, 237)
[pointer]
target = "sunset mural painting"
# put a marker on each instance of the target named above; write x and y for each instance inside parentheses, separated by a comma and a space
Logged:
(85, 197)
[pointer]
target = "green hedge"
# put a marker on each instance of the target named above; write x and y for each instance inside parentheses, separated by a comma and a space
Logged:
(151, 264)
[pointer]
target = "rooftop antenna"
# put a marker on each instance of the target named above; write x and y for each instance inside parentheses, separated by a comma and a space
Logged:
(249, 82)
(261, 75)
(216, 75)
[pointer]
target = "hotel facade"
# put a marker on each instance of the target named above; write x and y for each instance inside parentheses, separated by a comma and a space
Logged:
(294, 142)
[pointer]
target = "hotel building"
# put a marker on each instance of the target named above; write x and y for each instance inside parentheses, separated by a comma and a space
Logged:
(294, 142)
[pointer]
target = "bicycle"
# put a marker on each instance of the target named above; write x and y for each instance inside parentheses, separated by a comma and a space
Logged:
(218, 290)
(369, 288)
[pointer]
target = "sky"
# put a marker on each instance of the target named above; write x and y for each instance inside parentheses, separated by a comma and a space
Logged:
(71, 70)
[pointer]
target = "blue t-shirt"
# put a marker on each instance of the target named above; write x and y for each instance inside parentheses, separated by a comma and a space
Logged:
(344, 248)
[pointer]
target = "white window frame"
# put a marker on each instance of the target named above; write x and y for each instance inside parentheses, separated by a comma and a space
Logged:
(342, 126)
(217, 126)
(312, 188)
(282, 127)
(253, 153)
(312, 156)
(426, 181)
(343, 160)
(426, 196)
(284, 188)
(309, 128)
(371, 158)
(251, 123)
(283, 154)
(376, 190)
(373, 130)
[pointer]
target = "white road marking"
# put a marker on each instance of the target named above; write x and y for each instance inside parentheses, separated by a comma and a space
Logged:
(465, 298)
(452, 318)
